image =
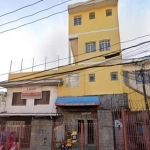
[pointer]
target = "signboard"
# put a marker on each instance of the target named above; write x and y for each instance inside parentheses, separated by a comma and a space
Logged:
(32, 93)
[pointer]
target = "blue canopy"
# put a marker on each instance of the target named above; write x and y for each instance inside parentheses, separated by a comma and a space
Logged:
(78, 101)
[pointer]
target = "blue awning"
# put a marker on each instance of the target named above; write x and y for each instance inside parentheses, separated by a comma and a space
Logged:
(78, 101)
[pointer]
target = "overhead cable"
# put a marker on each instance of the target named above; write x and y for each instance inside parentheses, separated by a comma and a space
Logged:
(21, 8)
(34, 13)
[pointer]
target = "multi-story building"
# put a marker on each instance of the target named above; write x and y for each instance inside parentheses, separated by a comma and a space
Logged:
(75, 97)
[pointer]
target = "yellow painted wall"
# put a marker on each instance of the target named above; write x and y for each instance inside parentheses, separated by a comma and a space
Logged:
(100, 22)
(113, 36)
(135, 99)
(102, 84)
(105, 27)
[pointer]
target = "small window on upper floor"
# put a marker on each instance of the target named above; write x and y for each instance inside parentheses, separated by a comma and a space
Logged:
(92, 15)
(17, 101)
(104, 45)
(91, 77)
(114, 76)
(90, 47)
(77, 20)
(109, 12)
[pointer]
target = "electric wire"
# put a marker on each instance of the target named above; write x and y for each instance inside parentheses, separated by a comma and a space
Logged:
(76, 56)
(42, 18)
(64, 76)
(45, 77)
(12, 21)
(20, 8)
(70, 71)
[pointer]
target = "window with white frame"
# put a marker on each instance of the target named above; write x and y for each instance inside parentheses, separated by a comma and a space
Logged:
(91, 77)
(72, 80)
(114, 76)
(90, 47)
(104, 45)
(77, 20)
(92, 15)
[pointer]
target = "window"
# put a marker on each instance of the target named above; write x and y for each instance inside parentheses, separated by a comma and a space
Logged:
(90, 132)
(17, 101)
(109, 12)
(72, 80)
(77, 20)
(90, 47)
(114, 76)
(91, 77)
(45, 98)
(104, 45)
(138, 77)
(92, 15)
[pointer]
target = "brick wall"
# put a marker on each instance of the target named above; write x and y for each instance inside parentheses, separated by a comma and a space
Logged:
(105, 126)
(41, 129)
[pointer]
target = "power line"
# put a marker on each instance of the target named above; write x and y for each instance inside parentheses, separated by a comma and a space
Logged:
(135, 45)
(64, 77)
(34, 13)
(43, 18)
(80, 55)
(63, 66)
(52, 75)
(80, 69)
(32, 22)
(21, 8)
(66, 72)
(74, 62)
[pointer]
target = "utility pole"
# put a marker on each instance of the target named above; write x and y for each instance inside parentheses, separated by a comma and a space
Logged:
(144, 89)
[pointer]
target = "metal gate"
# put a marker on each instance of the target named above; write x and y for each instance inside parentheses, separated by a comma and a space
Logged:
(78, 135)
(137, 130)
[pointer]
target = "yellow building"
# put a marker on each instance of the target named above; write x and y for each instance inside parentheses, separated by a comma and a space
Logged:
(77, 93)
(93, 28)
(93, 32)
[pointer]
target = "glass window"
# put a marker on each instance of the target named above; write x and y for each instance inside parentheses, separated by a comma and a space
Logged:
(77, 20)
(109, 12)
(104, 45)
(114, 76)
(90, 47)
(72, 80)
(92, 15)
(91, 77)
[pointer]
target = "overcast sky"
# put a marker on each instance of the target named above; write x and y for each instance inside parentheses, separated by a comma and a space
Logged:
(49, 37)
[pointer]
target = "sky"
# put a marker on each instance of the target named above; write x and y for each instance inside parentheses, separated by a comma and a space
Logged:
(49, 38)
